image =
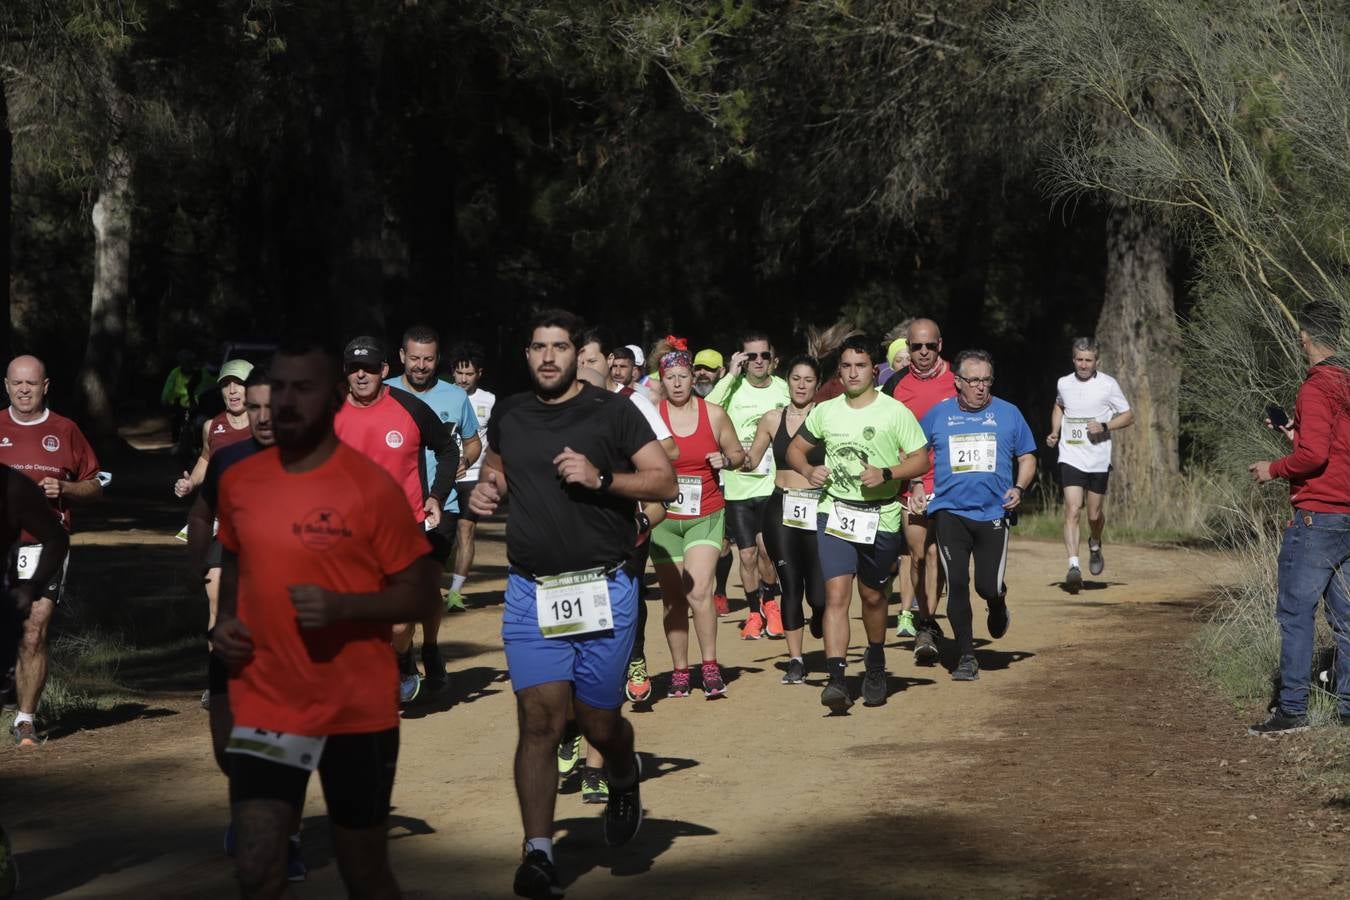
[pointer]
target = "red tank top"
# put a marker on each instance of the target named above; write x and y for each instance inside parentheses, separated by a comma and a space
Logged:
(222, 434)
(693, 461)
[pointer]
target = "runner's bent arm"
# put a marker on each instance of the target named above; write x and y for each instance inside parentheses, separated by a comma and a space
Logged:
(473, 448)
(1026, 471)
(912, 465)
(802, 442)
(726, 437)
(768, 423)
(30, 512)
(436, 437)
(653, 480)
(409, 596)
(1056, 421)
(80, 491)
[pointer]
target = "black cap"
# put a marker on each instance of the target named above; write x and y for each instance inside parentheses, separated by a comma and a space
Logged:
(362, 351)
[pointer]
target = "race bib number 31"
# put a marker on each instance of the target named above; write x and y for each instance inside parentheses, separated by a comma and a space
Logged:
(296, 750)
(972, 453)
(689, 501)
(799, 509)
(853, 524)
(573, 603)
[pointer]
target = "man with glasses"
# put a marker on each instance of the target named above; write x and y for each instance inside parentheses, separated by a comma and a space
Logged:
(985, 459)
(749, 390)
(1089, 405)
(921, 385)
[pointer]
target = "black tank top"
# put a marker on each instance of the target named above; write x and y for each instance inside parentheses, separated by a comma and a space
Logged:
(815, 456)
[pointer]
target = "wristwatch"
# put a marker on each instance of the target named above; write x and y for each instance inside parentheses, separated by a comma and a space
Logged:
(606, 479)
(886, 474)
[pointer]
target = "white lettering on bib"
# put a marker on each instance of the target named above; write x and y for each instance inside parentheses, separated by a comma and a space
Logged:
(799, 509)
(972, 452)
(295, 750)
(28, 560)
(1076, 430)
(573, 603)
(855, 524)
(689, 501)
(765, 466)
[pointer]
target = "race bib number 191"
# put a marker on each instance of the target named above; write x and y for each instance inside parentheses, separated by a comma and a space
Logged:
(573, 603)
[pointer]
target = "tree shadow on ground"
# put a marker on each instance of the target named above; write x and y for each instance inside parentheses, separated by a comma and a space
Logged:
(465, 686)
(316, 840)
(92, 719)
(581, 846)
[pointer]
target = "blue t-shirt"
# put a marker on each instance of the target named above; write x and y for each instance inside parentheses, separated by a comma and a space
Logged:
(975, 456)
(451, 404)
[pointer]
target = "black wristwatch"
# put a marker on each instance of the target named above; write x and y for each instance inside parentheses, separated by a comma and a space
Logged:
(644, 523)
(1019, 489)
(606, 479)
(886, 474)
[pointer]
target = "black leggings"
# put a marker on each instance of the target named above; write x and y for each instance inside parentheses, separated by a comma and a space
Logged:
(794, 555)
(640, 556)
(958, 538)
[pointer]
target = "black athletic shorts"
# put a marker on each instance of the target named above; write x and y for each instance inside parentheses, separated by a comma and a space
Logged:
(1093, 481)
(464, 489)
(743, 521)
(356, 771)
(442, 537)
(217, 676)
(53, 589)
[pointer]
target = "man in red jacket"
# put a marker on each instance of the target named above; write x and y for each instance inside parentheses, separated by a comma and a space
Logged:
(1316, 542)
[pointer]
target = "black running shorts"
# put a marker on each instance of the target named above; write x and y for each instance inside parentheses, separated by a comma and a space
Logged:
(1095, 482)
(743, 521)
(356, 771)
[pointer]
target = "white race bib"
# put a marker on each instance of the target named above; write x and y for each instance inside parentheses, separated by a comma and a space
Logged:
(972, 453)
(852, 523)
(765, 466)
(1075, 430)
(27, 562)
(799, 509)
(573, 603)
(689, 501)
(295, 750)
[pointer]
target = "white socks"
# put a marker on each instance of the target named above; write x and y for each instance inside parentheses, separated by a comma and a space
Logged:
(1073, 562)
(20, 718)
(456, 583)
(544, 844)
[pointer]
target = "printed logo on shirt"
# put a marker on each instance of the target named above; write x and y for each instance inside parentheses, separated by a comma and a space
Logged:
(394, 439)
(869, 432)
(321, 528)
(51, 443)
(989, 418)
(220, 429)
(6, 442)
(445, 417)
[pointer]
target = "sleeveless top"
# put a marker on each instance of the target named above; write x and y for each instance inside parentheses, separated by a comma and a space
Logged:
(693, 460)
(815, 456)
(222, 434)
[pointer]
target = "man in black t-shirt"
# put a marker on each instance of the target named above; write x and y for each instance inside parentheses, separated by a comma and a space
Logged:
(573, 460)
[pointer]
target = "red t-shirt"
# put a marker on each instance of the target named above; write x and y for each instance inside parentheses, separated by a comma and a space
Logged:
(693, 458)
(921, 395)
(51, 447)
(221, 434)
(345, 527)
(392, 432)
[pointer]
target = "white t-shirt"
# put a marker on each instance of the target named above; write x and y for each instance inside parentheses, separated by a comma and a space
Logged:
(482, 402)
(1097, 399)
(649, 412)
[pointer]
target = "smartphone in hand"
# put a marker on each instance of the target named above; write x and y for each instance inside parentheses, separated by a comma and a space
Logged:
(1277, 416)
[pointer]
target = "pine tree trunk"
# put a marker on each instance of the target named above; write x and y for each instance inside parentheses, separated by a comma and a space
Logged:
(6, 222)
(1140, 343)
(112, 277)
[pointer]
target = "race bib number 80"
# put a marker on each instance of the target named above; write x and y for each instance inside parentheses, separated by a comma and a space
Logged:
(969, 453)
(1075, 431)
(573, 603)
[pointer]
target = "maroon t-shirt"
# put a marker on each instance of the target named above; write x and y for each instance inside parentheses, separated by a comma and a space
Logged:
(221, 434)
(51, 447)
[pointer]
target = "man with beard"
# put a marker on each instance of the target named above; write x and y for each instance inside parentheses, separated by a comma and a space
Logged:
(321, 558)
(573, 460)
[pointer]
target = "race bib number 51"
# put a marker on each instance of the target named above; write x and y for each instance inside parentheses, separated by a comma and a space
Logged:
(972, 453)
(573, 603)
(799, 509)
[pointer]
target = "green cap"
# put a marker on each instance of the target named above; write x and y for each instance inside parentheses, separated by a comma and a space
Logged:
(709, 358)
(236, 368)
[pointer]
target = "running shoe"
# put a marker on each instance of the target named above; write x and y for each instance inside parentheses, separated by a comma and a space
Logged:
(925, 644)
(639, 686)
(206, 699)
(25, 735)
(713, 685)
(408, 688)
(874, 687)
(1280, 722)
(296, 870)
(998, 620)
(536, 878)
(569, 754)
(796, 672)
(9, 869)
(1095, 561)
(773, 618)
(905, 627)
(679, 684)
(623, 811)
(454, 602)
(753, 629)
(594, 786)
(967, 669)
(835, 696)
(723, 604)
(1074, 580)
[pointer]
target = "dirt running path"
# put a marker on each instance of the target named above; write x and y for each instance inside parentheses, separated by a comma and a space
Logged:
(1084, 762)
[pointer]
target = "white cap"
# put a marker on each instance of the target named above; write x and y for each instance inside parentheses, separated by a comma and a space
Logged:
(639, 358)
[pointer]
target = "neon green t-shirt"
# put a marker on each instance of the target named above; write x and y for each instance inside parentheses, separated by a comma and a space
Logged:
(745, 405)
(879, 434)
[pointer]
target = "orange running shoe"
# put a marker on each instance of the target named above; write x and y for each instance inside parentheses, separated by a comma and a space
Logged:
(753, 629)
(773, 618)
(723, 604)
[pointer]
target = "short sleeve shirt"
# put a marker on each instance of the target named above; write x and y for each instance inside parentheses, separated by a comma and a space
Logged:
(975, 456)
(451, 405)
(483, 402)
(879, 434)
(344, 526)
(50, 447)
(392, 432)
(556, 527)
(1099, 399)
(745, 405)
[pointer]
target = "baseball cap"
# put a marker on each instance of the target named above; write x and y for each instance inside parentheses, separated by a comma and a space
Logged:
(639, 358)
(236, 368)
(896, 346)
(363, 350)
(709, 358)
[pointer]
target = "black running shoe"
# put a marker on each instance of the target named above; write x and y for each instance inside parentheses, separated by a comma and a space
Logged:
(998, 621)
(925, 644)
(536, 878)
(1074, 580)
(434, 666)
(1280, 722)
(623, 812)
(1095, 562)
(874, 687)
(835, 696)
(967, 669)
(796, 671)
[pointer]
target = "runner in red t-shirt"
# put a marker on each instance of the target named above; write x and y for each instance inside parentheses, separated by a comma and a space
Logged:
(50, 450)
(321, 559)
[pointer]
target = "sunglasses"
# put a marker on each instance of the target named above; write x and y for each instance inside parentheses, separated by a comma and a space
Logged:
(765, 355)
(931, 345)
(985, 382)
(353, 368)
